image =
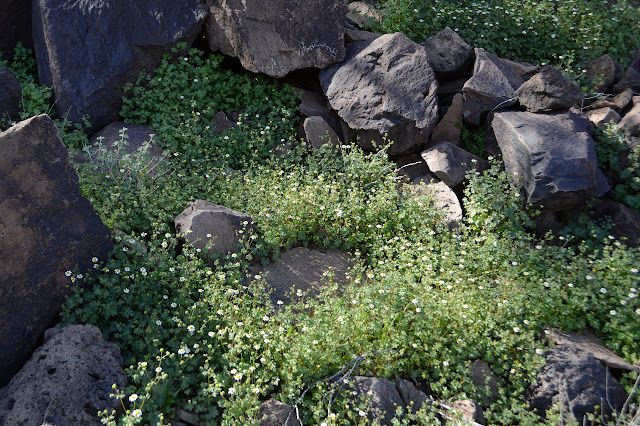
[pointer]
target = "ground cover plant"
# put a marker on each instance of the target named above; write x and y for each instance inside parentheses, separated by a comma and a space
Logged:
(423, 301)
(566, 33)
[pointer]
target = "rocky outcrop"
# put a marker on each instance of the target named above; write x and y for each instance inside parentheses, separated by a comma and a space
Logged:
(385, 86)
(304, 269)
(549, 90)
(46, 228)
(89, 50)
(449, 55)
(203, 223)
(578, 382)
(67, 381)
(551, 155)
(10, 95)
(279, 36)
(493, 85)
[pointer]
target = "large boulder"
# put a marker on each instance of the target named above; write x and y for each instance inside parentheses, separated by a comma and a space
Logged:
(551, 155)
(15, 24)
(203, 223)
(302, 268)
(278, 36)
(46, 228)
(89, 50)
(548, 90)
(385, 86)
(67, 381)
(493, 84)
(577, 382)
(10, 95)
(449, 55)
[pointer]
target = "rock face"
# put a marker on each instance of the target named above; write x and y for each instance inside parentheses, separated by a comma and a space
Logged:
(46, 228)
(494, 83)
(605, 70)
(385, 86)
(15, 24)
(202, 218)
(87, 66)
(551, 155)
(576, 381)
(449, 55)
(303, 269)
(275, 413)
(67, 381)
(449, 129)
(451, 163)
(547, 90)
(278, 36)
(318, 132)
(10, 95)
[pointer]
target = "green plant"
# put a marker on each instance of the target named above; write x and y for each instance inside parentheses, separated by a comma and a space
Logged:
(473, 140)
(537, 31)
(613, 153)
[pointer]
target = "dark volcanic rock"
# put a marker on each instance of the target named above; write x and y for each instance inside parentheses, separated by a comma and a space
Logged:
(551, 155)
(89, 50)
(547, 90)
(385, 86)
(67, 381)
(449, 55)
(15, 24)
(10, 95)
(278, 36)
(46, 228)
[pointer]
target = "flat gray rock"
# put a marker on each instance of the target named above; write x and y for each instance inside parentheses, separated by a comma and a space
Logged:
(451, 163)
(304, 269)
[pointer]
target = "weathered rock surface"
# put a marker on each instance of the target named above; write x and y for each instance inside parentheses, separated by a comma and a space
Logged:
(279, 36)
(412, 166)
(483, 377)
(493, 84)
(630, 79)
(551, 155)
(10, 95)
(600, 117)
(451, 163)
(382, 394)
(631, 121)
(275, 413)
(304, 269)
(412, 397)
(67, 381)
(317, 132)
(202, 218)
(15, 24)
(548, 90)
(605, 70)
(385, 86)
(626, 221)
(362, 13)
(449, 128)
(588, 342)
(46, 228)
(449, 55)
(89, 66)
(445, 200)
(576, 381)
